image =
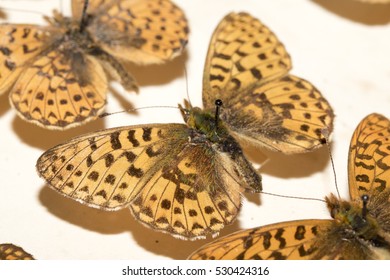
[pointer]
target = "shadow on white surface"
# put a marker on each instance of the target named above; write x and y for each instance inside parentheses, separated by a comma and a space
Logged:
(3, 15)
(44, 139)
(115, 222)
(370, 14)
(155, 75)
(294, 166)
(4, 104)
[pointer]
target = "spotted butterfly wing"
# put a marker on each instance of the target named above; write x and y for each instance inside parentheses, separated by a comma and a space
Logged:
(58, 90)
(10, 251)
(288, 240)
(247, 68)
(369, 173)
(172, 179)
(369, 157)
(143, 32)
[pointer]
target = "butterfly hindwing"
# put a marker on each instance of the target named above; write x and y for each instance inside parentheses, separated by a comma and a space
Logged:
(60, 89)
(287, 115)
(192, 196)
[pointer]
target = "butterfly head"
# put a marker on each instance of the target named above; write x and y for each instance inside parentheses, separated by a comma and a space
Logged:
(353, 217)
(205, 122)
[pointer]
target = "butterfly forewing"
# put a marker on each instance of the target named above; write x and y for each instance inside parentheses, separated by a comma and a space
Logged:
(287, 240)
(369, 157)
(242, 53)
(18, 45)
(60, 90)
(12, 252)
(106, 169)
(144, 32)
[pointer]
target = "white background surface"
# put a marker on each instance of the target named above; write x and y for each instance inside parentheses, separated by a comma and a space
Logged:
(341, 46)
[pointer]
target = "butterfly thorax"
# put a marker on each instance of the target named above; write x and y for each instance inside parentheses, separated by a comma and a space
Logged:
(205, 124)
(206, 129)
(210, 133)
(73, 35)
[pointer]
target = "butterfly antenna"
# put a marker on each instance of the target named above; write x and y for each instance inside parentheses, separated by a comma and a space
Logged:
(187, 91)
(294, 197)
(325, 133)
(218, 104)
(84, 16)
(103, 115)
(61, 7)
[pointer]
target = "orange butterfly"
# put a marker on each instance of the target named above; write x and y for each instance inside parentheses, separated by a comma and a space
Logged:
(56, 75)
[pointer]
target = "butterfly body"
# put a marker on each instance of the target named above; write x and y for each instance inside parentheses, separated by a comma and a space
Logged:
(207, 130)
(351, 234)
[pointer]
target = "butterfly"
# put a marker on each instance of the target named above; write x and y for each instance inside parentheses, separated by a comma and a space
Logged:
(187, 179)
(360, 228)
(57, 75)
(10, 251)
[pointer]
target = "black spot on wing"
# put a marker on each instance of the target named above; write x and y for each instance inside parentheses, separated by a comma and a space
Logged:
(114, 140)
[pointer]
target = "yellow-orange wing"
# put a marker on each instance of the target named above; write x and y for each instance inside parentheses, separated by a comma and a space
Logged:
(141, 31)
(59, 90)
(10, 251)
(247, 68)
(170, 184)
(93, 5)
(18, 45)
(286, 240)
(369, 157)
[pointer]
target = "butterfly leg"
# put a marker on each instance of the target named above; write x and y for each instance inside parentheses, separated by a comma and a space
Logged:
(249, 174)
(117, 70)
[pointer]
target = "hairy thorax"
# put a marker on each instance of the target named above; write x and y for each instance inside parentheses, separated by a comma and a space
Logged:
(208, 132)
(357, 232)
